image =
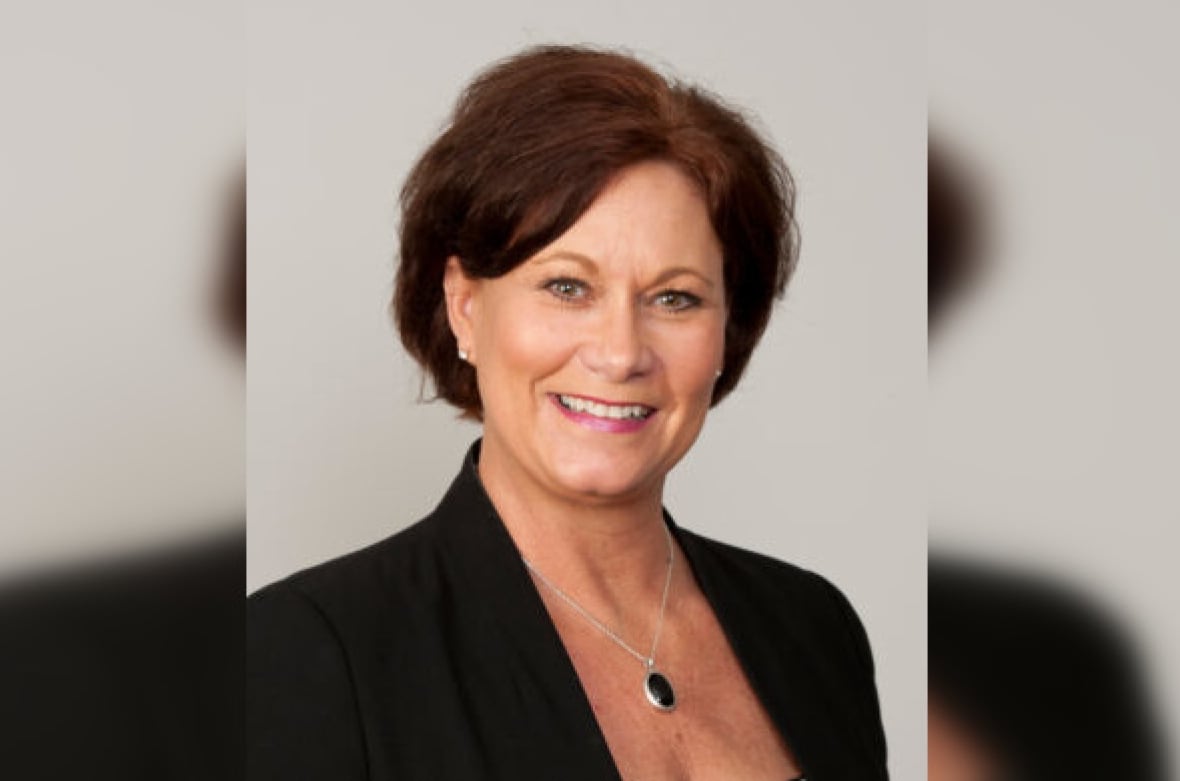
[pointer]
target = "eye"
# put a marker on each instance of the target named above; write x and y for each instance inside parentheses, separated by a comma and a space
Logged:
(676, 300)
(567, 289)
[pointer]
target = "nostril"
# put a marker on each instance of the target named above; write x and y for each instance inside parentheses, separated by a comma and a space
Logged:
(618, 362)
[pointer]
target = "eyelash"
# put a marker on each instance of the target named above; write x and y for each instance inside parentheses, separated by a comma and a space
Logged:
(560, 288)
(554, 285)
(687, 300)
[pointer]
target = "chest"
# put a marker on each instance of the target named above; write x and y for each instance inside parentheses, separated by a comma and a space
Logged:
(718, 729)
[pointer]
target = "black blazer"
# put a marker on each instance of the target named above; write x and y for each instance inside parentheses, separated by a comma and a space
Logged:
(430, 655)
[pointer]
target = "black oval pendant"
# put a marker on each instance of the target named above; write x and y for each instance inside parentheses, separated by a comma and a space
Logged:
(659, 691)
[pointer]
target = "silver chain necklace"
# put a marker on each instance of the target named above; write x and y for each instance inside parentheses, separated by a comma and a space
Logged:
(656, 686)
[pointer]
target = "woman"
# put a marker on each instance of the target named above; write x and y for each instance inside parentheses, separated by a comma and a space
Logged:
(588, 256)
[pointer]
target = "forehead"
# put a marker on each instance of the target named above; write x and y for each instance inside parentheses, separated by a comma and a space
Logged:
(651, 215)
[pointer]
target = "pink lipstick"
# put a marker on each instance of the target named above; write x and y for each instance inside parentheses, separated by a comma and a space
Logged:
(605, 416)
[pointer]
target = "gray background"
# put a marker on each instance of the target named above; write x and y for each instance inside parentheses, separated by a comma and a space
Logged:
(818, 457)
(1055, 435)
(121, 407)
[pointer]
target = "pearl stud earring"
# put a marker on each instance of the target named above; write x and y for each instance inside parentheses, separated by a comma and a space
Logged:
(462, 354)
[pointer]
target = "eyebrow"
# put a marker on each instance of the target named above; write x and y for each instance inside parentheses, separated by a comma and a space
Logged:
(591, 265)
(576, 257)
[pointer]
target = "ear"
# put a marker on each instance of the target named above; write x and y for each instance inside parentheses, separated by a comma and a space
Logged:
(460, 292)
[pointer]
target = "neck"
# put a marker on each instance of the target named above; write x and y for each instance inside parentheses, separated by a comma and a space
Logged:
(609, 555)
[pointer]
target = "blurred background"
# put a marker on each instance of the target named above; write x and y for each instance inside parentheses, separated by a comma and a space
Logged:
(1054, 379)
(122, 336)
(123, 173)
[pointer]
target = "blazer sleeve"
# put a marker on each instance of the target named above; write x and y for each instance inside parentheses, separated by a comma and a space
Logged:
(868, 702)
(302, 718)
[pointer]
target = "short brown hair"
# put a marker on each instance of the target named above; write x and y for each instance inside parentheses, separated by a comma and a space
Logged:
(533, 141)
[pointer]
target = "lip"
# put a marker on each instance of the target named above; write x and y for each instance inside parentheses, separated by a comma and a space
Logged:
(606, 425)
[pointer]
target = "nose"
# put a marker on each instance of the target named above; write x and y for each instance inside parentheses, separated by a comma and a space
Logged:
(616, 348)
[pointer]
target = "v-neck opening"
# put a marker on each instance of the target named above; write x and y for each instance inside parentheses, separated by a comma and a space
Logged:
(521, 611)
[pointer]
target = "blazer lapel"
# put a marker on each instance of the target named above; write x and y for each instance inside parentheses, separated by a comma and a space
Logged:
(539, 686)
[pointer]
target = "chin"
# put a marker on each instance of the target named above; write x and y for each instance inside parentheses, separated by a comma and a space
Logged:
(603, 481)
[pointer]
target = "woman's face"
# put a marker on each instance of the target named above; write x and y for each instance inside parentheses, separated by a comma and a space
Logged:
(596, 358)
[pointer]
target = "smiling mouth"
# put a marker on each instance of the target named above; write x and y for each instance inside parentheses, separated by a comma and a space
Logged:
(605, 411)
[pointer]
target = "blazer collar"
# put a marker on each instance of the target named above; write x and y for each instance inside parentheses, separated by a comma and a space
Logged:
(485, 558)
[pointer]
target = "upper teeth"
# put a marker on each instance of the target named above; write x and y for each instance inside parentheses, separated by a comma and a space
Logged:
(618, 412)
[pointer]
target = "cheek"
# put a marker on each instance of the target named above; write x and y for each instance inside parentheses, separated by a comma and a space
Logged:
(692, 357)
(520, 344)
